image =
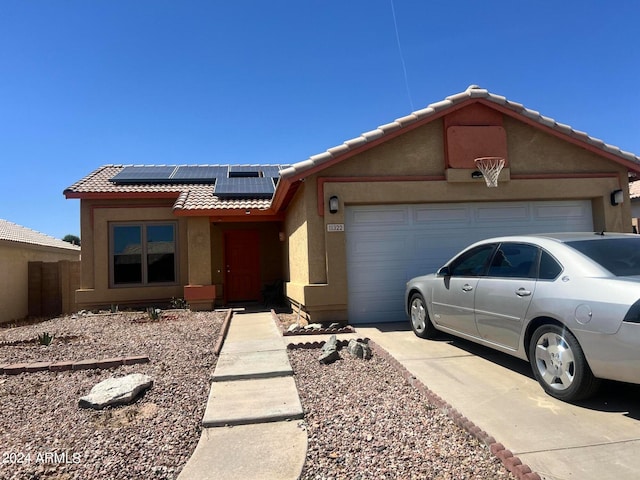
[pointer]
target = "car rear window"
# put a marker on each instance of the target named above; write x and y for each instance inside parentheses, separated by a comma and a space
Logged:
(621, 256)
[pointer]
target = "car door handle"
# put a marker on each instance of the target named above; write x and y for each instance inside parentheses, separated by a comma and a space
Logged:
(521, 292)
(467, 287)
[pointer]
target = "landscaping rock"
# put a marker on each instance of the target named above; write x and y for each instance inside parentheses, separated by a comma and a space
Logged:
(116, 391)
(359, 349)
(329, 352)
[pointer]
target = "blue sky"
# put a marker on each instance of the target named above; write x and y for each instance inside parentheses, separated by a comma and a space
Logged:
(87, 83)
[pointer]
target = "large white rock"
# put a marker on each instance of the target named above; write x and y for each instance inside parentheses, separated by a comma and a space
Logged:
(116, 391)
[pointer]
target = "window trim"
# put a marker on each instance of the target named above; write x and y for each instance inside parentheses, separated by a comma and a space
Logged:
(144, 254)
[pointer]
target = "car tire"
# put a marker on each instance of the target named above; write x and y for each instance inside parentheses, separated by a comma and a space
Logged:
(559, 364)
(419, 317)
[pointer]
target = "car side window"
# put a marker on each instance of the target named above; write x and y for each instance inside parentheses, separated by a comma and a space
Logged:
(514, 260)
(549, 267)
(472, 263)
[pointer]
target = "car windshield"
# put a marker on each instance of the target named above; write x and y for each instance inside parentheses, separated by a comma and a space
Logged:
(621, 256)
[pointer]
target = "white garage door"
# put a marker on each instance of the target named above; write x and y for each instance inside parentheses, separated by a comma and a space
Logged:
(389, 244)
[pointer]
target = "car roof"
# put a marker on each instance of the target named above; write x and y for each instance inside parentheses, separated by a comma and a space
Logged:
(563, 237)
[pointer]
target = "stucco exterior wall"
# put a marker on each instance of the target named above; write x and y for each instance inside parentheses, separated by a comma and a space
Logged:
(542, 167)
(295, 227)
(14, 279)
(96, 217)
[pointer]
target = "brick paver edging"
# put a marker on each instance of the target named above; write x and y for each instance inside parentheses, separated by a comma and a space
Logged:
(508, 459)
(59, 366)
(322, 331)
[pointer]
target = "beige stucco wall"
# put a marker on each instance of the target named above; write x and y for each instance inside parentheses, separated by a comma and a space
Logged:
(95, 219)
(421, 152)
(14, 279)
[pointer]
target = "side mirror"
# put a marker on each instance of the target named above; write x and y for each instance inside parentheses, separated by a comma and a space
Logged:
(444, 272)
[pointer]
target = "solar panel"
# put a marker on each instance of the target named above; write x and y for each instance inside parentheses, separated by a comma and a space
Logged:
(245, 168)
(198, 173)
(255, 187)
(237, 180)
(144, 174)
(273, 171)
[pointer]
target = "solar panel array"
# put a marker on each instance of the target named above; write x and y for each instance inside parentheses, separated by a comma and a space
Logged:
(261, 187)
(231, 181)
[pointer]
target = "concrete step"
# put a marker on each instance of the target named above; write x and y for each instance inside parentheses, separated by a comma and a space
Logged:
(255, 364)
(273, 451)
(260, 400)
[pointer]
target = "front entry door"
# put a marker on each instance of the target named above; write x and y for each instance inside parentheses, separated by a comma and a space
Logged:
(242, 261)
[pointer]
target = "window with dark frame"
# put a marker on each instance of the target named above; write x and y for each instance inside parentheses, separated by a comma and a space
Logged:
(143, 253)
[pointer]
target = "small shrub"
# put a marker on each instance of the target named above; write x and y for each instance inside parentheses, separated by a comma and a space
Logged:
(45, 339)
(179, 303)
(114, 308)
(154, 313)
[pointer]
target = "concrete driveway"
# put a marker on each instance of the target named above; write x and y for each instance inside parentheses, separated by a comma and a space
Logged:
(596, 439)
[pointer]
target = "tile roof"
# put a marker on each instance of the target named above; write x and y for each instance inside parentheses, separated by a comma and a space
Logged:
(472, 92)
(189, 196)
(12, 232)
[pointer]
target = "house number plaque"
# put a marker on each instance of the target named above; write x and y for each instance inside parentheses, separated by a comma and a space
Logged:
(335, 227)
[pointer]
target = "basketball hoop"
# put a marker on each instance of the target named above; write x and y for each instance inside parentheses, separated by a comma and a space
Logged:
(490, 168)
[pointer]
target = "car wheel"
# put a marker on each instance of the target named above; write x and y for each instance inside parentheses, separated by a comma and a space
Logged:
(559, 364)
(420, 321)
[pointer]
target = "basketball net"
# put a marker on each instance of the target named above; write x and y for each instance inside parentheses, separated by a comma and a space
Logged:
(490, 168)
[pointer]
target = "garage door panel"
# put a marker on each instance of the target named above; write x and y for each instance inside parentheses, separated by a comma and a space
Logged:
(568, 212)
(379, 277)
(388, 245)
(369, 216)
(380, 308)
(505, 213)
(377, 244)
(450, 215)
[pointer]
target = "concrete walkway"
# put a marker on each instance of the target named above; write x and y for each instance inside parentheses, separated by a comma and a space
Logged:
(250, 423)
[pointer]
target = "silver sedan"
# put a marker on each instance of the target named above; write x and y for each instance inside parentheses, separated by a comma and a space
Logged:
(567, 303)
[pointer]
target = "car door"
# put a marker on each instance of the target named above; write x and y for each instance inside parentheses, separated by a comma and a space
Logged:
(454, 291)
(504, 294)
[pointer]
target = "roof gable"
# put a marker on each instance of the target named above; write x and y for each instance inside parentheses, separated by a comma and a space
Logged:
(473, 94)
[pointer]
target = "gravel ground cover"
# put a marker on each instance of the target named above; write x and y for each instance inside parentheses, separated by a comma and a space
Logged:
(365, 422)
(45, 435)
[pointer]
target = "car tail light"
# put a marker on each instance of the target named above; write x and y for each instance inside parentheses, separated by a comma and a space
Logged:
(633, 315)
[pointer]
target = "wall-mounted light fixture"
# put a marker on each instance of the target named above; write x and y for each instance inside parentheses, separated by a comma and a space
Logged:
(334, 204)
(281, 236)
(617, 197)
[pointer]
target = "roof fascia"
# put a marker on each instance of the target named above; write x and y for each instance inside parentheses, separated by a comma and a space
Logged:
(227, 216)
(563, 136)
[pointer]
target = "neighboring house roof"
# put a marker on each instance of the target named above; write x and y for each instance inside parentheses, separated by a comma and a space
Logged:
(438, 109)
(12, 232)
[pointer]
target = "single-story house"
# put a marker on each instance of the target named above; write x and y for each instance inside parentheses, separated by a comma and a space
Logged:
(345, 229)
(18, 246)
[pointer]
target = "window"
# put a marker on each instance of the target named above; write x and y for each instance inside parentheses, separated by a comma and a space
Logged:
(474, 262)
(549, 268)
(618, 255)
(143, 254)
(515, 260)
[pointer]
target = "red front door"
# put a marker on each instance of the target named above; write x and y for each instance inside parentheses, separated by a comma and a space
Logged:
(242, 260)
